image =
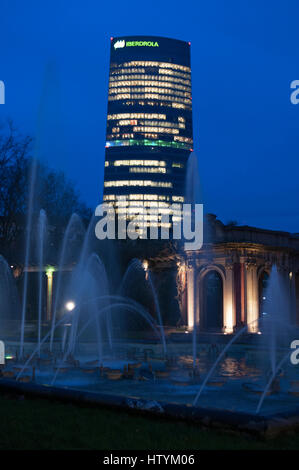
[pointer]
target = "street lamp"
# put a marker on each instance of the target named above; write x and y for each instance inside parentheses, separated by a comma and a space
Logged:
(70, 305)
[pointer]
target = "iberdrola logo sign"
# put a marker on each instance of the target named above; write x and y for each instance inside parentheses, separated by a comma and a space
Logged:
(119, 44)
(122, 43)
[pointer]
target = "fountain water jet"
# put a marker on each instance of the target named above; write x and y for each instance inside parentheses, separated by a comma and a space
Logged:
(42, 228)
(272, 377)
(27, 251)
(74, 224)
(221, 355)
(129, 305)
(136, 265)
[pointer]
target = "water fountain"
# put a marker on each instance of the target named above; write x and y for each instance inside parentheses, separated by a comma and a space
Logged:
(42, 228)
(91, 346)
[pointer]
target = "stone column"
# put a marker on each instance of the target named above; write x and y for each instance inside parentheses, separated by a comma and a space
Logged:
(49, 274)
(192, 303)
(243, 295)
(229, 311)
(252, 297)
(181, 282)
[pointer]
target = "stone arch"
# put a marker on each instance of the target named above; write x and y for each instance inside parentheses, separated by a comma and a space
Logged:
(262, 278)
(211, 297)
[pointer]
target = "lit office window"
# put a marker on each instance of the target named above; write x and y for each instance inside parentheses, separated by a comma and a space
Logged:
(147, 170)
(154, 184)
(139, 163)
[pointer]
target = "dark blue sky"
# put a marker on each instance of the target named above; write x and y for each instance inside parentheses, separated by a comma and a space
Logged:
(54, 58)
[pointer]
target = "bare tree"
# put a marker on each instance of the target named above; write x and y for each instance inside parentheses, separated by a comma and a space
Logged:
(14, 157)
(53, 192)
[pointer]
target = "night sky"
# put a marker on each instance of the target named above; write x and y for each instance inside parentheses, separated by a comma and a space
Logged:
(54, 58)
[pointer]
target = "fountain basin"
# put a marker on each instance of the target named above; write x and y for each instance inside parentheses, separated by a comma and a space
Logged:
(255, 388)
(216, 383)
(162, 374)
(114, 374)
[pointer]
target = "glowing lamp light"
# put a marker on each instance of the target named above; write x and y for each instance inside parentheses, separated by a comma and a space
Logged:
(70, 305)
(50, 270)
(145, 265)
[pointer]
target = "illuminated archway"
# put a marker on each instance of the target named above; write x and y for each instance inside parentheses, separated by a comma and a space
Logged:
(262, 289)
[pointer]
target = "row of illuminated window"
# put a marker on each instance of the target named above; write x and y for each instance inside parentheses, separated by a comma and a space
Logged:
(138, 163)
(136, 116)
(149, 83)
(163, 130)
(146, 89)
(145, 135)
(151, 96)
(150, 132)
(158, 130)
(147, 170)
(150, 63)
(174, 208)
(155, 211)
(153, 184)
(177, 165)
(176, 217)
(160, 103)
(140, 70)
(139, 76)
(141, 197)
(180, 138)
(147, 142)
(153, 206)
(143, 163)
(120, 136)
(145, 225)
(134, 122)
(125, 119)
(149, 122)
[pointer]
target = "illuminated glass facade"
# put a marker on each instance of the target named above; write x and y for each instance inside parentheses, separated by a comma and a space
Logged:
(149, 123)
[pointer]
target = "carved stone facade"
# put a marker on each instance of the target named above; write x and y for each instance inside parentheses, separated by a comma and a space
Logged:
(239, 257)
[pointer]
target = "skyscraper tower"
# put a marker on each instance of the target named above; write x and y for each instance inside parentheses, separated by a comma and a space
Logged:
(149, 123)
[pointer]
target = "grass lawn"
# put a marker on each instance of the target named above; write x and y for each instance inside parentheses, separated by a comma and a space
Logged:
(40, 424)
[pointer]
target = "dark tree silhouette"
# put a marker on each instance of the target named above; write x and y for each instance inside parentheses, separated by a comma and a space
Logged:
(53, 192)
